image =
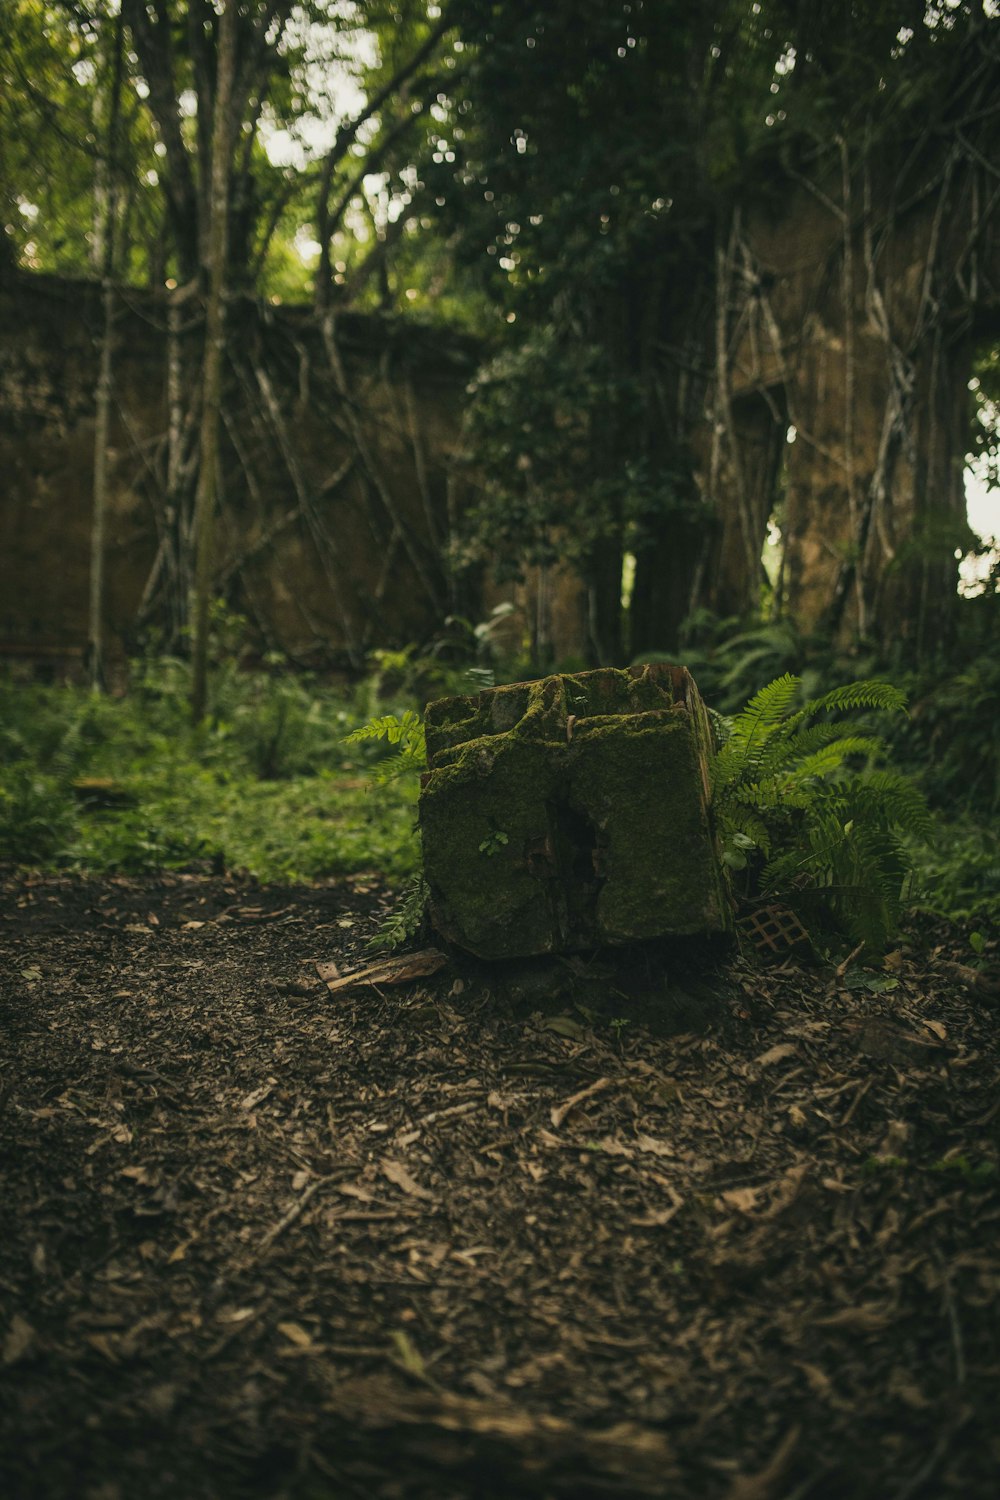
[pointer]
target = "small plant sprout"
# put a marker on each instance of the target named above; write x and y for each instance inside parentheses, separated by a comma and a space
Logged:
(494, 842)
(618, 1026)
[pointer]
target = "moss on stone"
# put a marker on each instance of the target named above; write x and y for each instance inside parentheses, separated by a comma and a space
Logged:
(662, 874)
(480, 817)
(571, 812)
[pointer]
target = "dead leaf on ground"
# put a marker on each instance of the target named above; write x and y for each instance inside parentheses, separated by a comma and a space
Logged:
(612, 1145)
(986, 985)
(235, 1314)
(296, 1334)
(656, 1219)
(763, 1485)
(775, 1054)
(895, 1139)
(651, 1146)
(144, 1176)
(258, 1095)
(819, 1382)
(902, 1385)
(397, 1174)
(19, 1340)
(565, 1025)
(867, 1317)
(408, 1355)
(787, 1189)
(742, 1199)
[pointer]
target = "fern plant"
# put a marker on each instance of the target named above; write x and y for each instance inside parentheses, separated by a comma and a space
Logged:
(806, 812)
(406, 732)
(406, 919)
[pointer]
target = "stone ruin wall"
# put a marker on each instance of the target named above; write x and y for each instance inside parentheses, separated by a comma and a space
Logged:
(337, 500)
(862, 338)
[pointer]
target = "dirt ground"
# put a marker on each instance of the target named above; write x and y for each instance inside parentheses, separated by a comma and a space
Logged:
(565, 1229)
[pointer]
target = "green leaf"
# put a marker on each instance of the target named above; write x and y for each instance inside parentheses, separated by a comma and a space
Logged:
(875, 984)
(408, 1355)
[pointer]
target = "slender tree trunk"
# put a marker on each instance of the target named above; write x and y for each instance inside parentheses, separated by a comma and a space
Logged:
(103, 412)
(602, 573)
(208, 460)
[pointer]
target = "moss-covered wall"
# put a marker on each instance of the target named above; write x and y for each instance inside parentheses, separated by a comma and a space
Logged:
(338, 491)
(850, 315)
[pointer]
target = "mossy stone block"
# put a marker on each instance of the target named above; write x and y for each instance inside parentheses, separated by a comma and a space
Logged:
(571, 813)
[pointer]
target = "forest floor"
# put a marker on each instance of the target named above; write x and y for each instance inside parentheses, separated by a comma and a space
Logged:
(663, 1228)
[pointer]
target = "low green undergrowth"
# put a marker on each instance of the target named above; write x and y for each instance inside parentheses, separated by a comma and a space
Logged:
(956, 870)
(291, 779)
(266, 784)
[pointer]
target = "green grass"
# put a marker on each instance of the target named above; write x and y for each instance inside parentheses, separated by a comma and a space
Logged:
(266, 785)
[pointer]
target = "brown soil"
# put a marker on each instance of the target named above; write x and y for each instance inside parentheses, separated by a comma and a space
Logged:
(264, 1240)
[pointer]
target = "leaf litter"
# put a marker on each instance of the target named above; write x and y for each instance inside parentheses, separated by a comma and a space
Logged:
(269, 1236)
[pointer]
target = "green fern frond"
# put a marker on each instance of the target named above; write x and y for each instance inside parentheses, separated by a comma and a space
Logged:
(721, 725)
(745, 749)
(871, 693)
(766, 709)
(831, 830)
(831, 757)
(748, 821)
(896, 799)
(387, 771)
(787, 743)
(406, 918)
(405, 730)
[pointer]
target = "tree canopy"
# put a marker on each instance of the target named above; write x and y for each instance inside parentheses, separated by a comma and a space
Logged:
(561, 178)
(545, 146)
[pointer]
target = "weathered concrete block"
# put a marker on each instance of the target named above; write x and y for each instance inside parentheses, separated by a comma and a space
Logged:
(571, 812)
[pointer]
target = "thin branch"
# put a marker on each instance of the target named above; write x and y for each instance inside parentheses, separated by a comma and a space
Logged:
(348, 133)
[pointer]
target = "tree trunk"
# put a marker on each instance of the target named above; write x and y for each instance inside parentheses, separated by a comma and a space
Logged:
(102, 422)
(208, 460)
(602, 573)
(666, 573)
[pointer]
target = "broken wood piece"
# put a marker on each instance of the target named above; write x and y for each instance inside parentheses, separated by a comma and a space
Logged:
(388, 970)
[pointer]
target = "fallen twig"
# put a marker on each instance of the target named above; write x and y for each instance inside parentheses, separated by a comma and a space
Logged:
(558, 1115)
(293, 1213)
